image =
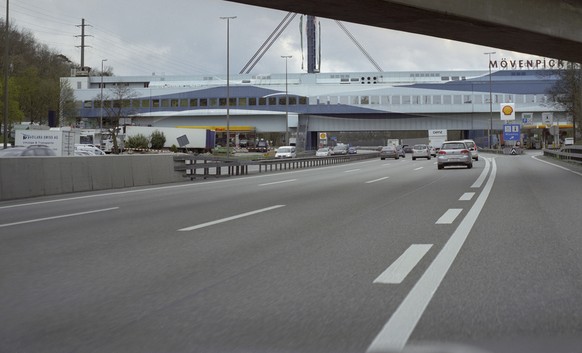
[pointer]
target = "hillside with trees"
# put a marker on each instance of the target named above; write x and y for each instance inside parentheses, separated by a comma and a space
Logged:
(34, 80)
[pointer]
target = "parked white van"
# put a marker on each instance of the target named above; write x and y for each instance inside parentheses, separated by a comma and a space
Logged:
(90, 149)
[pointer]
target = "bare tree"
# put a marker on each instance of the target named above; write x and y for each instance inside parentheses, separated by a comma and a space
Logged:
(567, 93)
(117, 106)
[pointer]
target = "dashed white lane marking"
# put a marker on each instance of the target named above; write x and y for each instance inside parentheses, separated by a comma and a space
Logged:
(351, 170)
(400, 268)
(207, 224)
(278, 182)
(419, 168)
(397, 331)
(449, 216)
(57, 217)
(373, 181)
(467, 196)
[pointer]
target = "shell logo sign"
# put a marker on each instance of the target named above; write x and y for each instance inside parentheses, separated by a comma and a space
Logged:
(507, 111)
(323, 136)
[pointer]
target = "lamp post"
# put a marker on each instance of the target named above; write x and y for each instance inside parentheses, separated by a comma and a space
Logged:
(490, 99)
(286, 57)
(228, 18)
(101, 86)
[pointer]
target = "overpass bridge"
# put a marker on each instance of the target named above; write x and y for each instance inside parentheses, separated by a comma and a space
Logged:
(547, 28)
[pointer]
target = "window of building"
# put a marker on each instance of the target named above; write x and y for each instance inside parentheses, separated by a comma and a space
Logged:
(478, 99)
(396, 100)
(232, 102)
(282, 100)
(519, 98)
(354, 100)
(364, 100)
(193, 102)
(385, 100)
(467, 99)
(262, 101)
(447, 99)
(272, 100)
(242, 102)
(221, 102)
(303, 100)
(213, 102)
(426, 100)
(174, 103)
(457, 99)
(374, 100)
(415, 99)
(293, 100)
(88, 104)
(78, 85)
(203, 102)
(183, 102)
(252, 101)
(437, 99)
(406, 100)
(145, 103)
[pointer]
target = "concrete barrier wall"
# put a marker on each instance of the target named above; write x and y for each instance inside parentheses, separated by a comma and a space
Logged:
(41, 176)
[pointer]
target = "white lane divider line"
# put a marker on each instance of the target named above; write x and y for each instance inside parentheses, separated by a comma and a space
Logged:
(449, 216)
(207, 224)
(482, 176)
(400, 268)
(278, 182)
(57, 217)
(397, 331)
(419, 168)
(373, 181)
(555, 165)
(467, 196)
(351, 170)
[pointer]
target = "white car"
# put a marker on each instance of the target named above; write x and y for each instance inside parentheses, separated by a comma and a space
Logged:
(473, 149)
(323, 152)
(420, 151)
(286, 152)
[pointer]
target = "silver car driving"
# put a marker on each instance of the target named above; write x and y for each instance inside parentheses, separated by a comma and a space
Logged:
(454, 153)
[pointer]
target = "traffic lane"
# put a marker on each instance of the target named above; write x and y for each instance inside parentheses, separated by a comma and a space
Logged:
(305, 333)
(518, 276)
(127, 277)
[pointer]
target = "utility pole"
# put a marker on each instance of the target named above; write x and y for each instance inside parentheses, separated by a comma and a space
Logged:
(490, 100)
(228, 82)
(286, 57)
(6, 72)
(82, 46)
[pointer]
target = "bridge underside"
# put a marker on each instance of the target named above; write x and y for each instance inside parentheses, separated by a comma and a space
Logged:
(546, 28)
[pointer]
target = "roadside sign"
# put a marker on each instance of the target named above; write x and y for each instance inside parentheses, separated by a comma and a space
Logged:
(323, 136)
(511, 132)
(526, 118)
(547, 118)
(507, 111)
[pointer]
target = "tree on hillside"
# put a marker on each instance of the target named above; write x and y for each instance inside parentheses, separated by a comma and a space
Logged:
(567, 93)
(67, 109)
(116, 106)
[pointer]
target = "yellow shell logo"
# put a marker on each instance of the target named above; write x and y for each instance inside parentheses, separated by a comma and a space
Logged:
(507, 110)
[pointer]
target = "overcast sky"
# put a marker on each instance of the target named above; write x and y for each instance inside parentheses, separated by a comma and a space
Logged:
(180, 37)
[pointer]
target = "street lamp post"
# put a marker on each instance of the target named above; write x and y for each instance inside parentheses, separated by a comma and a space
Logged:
(490, 100)
(101, 110)
(6, 72)
(286, 57)
(228, 18)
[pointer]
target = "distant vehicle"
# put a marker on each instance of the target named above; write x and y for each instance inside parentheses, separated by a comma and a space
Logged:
(340, 149)
(29, 151)
(89, 148)
(286, 152)
(390, 152)
(473, 149)
(261, 146)
(420, 151)
(352, 150)
(454, 153)
(407, 148)
(323, 152)
(433, 151)
(568, 141)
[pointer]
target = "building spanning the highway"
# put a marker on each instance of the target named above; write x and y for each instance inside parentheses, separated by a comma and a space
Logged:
(354, 106)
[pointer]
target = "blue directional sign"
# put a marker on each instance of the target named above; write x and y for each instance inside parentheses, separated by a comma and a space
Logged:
(511, 132)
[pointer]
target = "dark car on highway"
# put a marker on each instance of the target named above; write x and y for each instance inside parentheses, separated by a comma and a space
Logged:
(392, 152)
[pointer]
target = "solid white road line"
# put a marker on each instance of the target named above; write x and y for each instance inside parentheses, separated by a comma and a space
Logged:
(207, 224)
(373, 181)
(449, 216)
(482, 176)
(278, 182)
(467, 196)
(555, 165)
(57, 217)
(400, 268)
(395, 334)
(419, 168)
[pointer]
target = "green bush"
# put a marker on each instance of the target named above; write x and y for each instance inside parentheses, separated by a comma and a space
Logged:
(137, 141)
(158, 139)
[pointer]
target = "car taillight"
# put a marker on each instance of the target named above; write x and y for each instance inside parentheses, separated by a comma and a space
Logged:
(442, 152)
(464, 151)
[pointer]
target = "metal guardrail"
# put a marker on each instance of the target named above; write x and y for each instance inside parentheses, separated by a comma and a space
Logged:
(209, 166)
(569, 153)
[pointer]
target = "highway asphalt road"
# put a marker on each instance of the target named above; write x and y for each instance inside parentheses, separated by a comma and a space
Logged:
(370, 256)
